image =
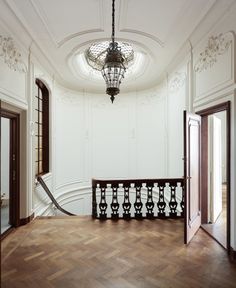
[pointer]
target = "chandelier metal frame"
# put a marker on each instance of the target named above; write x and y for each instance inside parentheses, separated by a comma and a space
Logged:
(95, 55)
(112, 61)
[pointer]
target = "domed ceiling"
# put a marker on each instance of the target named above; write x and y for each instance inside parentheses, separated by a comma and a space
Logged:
(65, 29)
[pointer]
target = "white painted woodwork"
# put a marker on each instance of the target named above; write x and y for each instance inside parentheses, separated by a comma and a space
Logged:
(192, 156)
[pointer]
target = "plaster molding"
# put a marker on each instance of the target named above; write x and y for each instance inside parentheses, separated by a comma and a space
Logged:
(81, 33)
(44, 19)
(68, 184)
(221, 94)
(144, 34)
(68, 98)
(122, 25)
(13, 99)
(105, 103)
(152, 96)
(177, 81)
(11, 55)
(31, 128)
(216, 46)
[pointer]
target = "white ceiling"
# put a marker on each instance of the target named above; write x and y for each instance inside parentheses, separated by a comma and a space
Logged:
(65, 28)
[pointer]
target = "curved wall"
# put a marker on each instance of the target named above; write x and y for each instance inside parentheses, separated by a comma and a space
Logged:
(130, 138)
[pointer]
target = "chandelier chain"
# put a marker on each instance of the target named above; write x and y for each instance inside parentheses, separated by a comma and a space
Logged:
(113, 21)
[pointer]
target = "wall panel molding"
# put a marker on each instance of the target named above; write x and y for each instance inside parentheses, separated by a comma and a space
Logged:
(12, 98)
(68, 184)
(214, 71)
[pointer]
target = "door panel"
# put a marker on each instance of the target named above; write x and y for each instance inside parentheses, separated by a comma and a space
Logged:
(192, 130)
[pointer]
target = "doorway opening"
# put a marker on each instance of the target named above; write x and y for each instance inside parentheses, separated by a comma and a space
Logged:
(9, 171)
(215, 172)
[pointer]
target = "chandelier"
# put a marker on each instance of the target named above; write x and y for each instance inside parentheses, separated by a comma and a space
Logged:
(114, 69)
(95, 55)
(112, 59)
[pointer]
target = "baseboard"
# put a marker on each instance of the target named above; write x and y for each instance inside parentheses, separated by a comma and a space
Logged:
(6, 233)
(25, 221)
(232, 254)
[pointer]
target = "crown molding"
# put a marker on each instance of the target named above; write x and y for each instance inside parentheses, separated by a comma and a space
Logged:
(144, 34)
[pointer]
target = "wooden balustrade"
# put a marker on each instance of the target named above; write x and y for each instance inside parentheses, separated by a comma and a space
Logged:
(151, 198)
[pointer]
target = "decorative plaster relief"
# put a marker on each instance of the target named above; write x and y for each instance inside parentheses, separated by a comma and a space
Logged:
(152, 96)
(177, 81)
(68, 98)
(217, 45)
(32, 130)
(11, 55)
(105, 103)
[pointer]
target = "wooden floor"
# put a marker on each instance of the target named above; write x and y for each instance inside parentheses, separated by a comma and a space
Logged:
(218, 230)
(80, 252)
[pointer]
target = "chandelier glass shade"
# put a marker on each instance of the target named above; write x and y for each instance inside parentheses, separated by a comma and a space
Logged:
(113, 70)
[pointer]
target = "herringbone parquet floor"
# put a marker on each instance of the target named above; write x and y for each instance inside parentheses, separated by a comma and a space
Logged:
(77, 252)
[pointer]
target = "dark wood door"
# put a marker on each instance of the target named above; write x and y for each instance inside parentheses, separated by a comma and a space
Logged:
(14, 166)
(192, 156)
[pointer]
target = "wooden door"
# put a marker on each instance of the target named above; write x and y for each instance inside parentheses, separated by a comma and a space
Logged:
(192, 156)
(14, 165)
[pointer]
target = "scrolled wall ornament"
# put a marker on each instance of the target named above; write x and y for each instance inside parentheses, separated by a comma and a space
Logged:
(217, 45)
(68, 98)
(177, 81)
(10, 55)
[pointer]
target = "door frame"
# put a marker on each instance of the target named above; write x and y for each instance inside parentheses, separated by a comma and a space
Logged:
(225, 106)
(14, 161)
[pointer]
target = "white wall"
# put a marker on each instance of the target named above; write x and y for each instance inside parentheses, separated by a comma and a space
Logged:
(5, 156)
(127, 139)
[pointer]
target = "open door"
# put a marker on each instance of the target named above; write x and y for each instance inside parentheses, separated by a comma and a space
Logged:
(10, 170)
(215, 184)
(192, 132)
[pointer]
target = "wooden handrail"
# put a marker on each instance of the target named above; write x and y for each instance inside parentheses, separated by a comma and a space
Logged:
(54, 201)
